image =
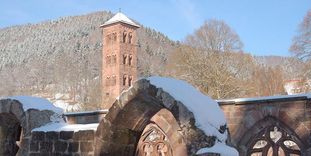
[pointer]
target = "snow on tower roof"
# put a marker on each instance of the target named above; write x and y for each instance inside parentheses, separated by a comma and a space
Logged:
(119, 17)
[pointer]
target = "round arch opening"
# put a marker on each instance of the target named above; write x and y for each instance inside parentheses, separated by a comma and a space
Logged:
(10, 134)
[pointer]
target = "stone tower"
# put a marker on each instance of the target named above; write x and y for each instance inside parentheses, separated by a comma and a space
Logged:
(119, 62)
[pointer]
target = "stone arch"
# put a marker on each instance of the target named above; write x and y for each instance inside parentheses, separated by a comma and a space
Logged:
(259, 127)
(10, 132)
(288, 112)
(21, 122)
(143, 104)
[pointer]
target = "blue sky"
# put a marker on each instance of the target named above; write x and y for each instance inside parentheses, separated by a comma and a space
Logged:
(266, 27)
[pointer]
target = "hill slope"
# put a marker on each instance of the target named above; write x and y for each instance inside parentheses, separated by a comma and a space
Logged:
(64, 56)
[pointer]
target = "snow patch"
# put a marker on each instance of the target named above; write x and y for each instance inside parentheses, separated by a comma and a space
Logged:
(68, 107)
(30, 102)
(221, 148)
(102, 111)
(307, 95)
(208, 116)
(57, 127)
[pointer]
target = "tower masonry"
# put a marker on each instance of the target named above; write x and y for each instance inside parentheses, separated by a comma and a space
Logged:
(119, 62)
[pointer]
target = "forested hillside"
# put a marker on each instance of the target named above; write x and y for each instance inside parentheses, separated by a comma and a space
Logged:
(64, 56)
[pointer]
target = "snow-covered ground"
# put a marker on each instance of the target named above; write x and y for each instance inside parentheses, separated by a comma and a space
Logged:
(208, 115)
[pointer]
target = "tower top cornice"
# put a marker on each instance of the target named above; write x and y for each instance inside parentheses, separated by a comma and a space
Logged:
(120, 17)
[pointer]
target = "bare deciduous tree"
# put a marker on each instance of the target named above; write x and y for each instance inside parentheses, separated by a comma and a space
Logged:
(301, 45)
(212, 60)
(267, 81)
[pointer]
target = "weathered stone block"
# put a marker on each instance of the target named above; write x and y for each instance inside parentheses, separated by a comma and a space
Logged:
(86, 146)
(51, 136)
(167, 100)
(46, 146)
(73, 147)
(17, 110)
(38, 136)
(84, 135)
(5, 105)
(34, 154)
(66, 135)
(34, 146)
(36, 118)
(60, 146)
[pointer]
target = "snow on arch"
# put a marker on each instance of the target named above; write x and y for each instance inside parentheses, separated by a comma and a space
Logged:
(208, 115)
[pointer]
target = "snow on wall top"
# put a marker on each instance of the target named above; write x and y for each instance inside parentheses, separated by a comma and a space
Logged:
(30, 102)
(275, 97)
(220, 148)
(209, 117)
(57, 127)
(119, 17)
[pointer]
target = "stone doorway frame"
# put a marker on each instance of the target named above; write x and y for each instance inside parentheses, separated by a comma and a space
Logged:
(119, 132)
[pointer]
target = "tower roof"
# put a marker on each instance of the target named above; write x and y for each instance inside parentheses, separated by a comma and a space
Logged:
(119, 17)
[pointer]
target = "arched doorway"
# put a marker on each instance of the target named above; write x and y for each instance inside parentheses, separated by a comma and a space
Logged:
(274, 141)
(153, 142)
(10, 132)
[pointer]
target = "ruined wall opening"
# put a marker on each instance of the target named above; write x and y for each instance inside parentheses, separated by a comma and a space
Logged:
(10, 134)
(274, 141)
(271, 137)
(153, 142)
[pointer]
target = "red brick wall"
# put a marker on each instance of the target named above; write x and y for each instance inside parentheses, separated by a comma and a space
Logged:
(113, 67)
(242, 117)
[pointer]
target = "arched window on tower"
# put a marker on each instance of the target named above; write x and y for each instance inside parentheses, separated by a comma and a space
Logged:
(114, 37)
(124, 59)
(124, 36)
(124, 80)
(130, 60)
(108, 59)
(114, 59)
(130, 80)
(130, 37)
(114, 80)
(108, 39)
(107, 80)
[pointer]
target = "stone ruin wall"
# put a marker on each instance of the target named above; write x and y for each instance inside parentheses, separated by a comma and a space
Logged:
(61, 143)
(141, 106)
(246, 119)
